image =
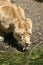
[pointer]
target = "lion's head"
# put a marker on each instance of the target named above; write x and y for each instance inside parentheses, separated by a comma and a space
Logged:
(22, 32)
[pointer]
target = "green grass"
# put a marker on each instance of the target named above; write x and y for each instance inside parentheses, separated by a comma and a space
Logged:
(13, 57)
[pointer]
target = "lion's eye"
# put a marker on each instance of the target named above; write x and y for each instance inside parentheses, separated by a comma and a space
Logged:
(21, 34)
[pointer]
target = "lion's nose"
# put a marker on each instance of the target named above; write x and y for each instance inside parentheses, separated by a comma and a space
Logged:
(27, 44)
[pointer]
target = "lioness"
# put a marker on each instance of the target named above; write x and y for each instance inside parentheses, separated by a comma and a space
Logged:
(12, 19)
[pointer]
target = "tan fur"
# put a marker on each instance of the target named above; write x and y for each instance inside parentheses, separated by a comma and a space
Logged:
(12, 19)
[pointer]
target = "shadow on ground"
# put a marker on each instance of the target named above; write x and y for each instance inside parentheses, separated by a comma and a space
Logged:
(13, 42)
(39, 1)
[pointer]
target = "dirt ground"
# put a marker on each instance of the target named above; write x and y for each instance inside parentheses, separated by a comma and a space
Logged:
(34, 10)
